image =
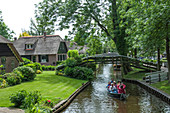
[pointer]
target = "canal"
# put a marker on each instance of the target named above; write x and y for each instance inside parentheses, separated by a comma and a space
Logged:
(95, 99)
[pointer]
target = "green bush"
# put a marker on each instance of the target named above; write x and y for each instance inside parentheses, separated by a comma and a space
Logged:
(18, 73)
(26, 61)
(71, 62)
(68, 71)
(92, 66)
(11, 80)
(35, 66)
(18, 98)
(31, 99)
(25, 99)
(39, 109)
(79, 72)
(47, 68)
(73, 53)
(27, 72)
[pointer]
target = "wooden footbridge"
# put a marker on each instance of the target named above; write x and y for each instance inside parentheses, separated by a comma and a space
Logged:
(115, 58)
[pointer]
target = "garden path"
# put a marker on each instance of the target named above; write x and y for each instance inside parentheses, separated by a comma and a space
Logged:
(10, 110)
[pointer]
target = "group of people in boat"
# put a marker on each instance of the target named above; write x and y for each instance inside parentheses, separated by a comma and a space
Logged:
(114, 87)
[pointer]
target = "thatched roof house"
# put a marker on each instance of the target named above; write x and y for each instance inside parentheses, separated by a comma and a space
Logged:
(9, 57)
(46, 49)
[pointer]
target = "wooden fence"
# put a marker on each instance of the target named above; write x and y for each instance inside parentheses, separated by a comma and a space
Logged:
(156, 77)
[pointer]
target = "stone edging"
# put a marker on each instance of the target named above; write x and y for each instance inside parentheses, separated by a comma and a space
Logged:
(165, 97)
(63, 104)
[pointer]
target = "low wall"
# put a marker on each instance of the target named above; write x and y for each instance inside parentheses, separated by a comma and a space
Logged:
(165, 97)
(63, 104)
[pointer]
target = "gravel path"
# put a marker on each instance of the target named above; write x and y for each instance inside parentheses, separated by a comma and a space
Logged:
(10, 110)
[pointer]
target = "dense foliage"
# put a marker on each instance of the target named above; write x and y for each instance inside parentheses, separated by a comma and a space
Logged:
(79, 72)
(25, 99)
(73, 53)
(27, 72)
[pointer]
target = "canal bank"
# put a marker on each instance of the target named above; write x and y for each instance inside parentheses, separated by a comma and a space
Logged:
(94, 98)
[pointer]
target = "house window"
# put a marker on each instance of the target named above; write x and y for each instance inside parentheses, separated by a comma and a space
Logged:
(29, 46)
(43, 58)
(61, 57)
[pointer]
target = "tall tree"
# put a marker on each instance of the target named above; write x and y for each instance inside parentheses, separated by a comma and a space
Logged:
(4, 30)
(44, 21)
(84, 15)
(150, 26)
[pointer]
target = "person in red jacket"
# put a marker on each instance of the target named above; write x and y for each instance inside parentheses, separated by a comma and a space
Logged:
(121, 87)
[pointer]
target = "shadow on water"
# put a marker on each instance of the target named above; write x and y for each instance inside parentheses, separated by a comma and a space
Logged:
(95, 99)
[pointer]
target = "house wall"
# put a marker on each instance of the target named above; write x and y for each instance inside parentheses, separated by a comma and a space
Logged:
(11, 63)
(51, 60)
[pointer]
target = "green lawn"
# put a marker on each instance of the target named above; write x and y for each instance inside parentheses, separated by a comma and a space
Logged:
(50, 86)
(136, 74)
(163, 85)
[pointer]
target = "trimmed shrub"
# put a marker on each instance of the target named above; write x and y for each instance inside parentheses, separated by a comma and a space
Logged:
(27, 72)
(25, 99)
(18, 73)
(79, 72)
(68, 71)
(18, 98)
(35, 66)
(73, 53)
(11, 80)
(71, 62)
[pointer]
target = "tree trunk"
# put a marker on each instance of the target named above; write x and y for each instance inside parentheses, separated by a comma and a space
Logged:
(158, 58)
(135, 53)
(167, 51)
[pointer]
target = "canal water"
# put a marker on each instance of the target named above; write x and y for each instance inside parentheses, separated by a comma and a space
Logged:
(95, 99)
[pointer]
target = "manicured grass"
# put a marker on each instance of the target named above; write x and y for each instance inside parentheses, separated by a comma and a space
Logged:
(136, 74)
(50, 86)
(163, 85)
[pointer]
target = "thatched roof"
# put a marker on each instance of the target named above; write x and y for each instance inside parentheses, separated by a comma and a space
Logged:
(8, 49)
(4, 40)
(43, 45)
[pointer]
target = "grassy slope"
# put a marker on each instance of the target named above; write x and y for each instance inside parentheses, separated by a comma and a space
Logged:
(50, 86)
(163, 85)
(137, 75)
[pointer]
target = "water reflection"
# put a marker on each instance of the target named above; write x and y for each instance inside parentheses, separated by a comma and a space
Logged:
(94, 99)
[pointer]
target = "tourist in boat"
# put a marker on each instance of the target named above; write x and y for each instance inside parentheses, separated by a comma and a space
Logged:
(108, 85)
(121, 87)
(114, 87)
(112, 80)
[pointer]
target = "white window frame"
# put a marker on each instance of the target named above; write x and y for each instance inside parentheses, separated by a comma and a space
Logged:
(29, 46)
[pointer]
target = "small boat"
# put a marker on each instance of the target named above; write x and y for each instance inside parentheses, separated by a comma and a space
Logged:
(120, 96)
